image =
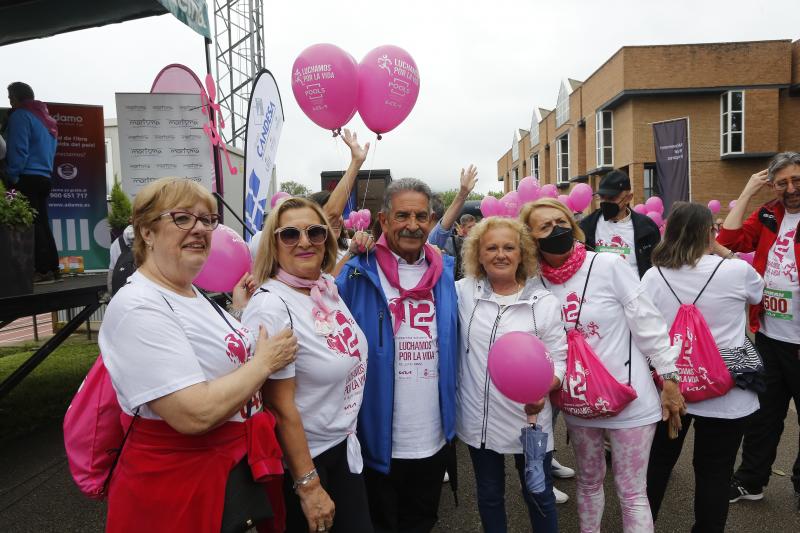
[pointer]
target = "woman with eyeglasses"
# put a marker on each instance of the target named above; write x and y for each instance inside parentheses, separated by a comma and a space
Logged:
(188, 373)
(315, 400)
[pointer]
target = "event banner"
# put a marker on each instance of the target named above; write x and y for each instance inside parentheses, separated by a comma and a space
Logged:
(162, 135)
(77, 207)
(672, 160)
(264, 124)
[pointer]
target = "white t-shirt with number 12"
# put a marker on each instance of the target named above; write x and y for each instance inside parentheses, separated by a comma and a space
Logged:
(617, 238)
(781, 318)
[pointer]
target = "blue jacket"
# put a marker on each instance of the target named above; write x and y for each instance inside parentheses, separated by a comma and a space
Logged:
(360, 287)
(30, 147)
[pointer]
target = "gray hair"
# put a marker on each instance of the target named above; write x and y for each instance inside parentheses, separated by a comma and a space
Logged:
(466, 218)
(781, 161)
(405, 185)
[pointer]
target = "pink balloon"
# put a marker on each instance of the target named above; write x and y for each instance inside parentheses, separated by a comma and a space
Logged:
(732, 204)
(714, 206)
(654, 204)
(228, 260)
(528, 190)
(564, 199)
(325, 85)
(277, 197)
(520, 367)
(640, 208)
(490, 206)
(747, 257)
(549, 191)
(581, 196)
(365, 217)
(388, 86)
(348, 223)
(510, 203)
(656, 217)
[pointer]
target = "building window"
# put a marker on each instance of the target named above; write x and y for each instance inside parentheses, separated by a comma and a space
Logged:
(732, 123)
(650, 182)
(562, 159)
(515, 176)
(535, 166)
(604, 138)
(562, 107)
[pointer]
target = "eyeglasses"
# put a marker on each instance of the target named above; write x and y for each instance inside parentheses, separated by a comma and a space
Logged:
(290, 236)
(187, 221)
(404, 216)
(783, 184)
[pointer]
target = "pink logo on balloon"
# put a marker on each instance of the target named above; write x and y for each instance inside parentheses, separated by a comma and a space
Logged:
(325, 85)
(388, 86)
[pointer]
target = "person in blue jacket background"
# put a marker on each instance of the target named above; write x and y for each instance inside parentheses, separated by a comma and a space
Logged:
(403, 298)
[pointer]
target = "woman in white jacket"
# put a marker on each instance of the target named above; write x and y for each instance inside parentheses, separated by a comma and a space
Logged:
(498, 295)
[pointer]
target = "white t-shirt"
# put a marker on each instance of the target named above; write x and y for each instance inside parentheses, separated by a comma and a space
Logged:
(781, 317)
(615, 305)
(417, 423)
(722, 305)
(152, 350)
(331, 365)
(617, 238)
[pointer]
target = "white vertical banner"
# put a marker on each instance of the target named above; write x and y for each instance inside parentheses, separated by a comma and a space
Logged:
(162, 135)
(264, 125)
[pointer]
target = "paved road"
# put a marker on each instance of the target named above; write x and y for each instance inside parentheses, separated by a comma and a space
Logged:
(37, 494)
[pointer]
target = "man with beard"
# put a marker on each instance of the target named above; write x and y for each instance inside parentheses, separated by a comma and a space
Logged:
(616, 228)
(772, 231)
(403, 298)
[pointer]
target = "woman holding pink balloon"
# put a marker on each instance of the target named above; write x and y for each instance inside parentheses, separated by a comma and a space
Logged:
(618, 329)
(316, 400)
(500, 295)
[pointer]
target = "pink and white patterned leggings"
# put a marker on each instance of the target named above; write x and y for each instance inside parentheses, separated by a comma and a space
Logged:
(630, 451)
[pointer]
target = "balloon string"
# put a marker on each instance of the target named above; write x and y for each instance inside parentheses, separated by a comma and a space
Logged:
(338, 145)
(369, 173)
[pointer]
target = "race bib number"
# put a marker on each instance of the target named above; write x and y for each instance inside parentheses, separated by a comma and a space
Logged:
(619, 250)
(778, 304)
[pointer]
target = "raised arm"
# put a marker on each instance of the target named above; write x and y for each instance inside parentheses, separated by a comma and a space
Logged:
(469, 178)
(735, 218)
(358, 154)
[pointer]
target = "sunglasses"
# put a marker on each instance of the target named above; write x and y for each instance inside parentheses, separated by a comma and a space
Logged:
(187, 221)
(290, 236)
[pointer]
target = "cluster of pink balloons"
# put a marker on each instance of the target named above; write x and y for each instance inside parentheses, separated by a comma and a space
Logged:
(715, 206)
(529, 190)
(330, 86)
(653, 208)
(228, 260)
(520, 367)
(358, 220)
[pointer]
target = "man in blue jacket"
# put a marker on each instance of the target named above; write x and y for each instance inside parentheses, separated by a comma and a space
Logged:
(403, 297)
(31, 147)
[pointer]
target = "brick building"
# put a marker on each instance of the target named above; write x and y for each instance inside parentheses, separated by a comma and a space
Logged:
(742, 101)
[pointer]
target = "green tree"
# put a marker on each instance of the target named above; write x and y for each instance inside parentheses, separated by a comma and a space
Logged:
(496, 194)
(120, 214)
(294, 188)
(450, 195)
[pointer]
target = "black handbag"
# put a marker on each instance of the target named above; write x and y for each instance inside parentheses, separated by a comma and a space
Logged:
(246, 501)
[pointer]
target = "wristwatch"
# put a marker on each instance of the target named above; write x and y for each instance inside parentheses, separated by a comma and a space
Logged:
(672, 376)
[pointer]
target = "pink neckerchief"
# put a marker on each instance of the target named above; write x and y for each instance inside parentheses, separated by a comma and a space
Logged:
(424, 289)
(40, 111)
(319, 287)
(560, 275)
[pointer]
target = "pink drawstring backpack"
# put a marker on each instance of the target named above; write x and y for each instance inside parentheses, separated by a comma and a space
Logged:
(94, 432)
(588, 389)
(702, 370)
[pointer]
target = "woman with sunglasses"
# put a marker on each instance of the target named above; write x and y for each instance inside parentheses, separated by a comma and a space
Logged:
(315, 400)
(189, 373)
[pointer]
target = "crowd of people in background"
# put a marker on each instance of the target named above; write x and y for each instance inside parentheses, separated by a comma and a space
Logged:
(361, 361)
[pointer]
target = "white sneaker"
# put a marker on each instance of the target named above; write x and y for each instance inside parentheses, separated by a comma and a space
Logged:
(560, 471)
(561, 497)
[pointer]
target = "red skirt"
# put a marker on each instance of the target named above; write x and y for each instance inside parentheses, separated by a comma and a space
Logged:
(168, 481)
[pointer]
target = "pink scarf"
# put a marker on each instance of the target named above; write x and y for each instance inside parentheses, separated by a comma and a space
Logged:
(40, 111)
(424, 289)
(559, 275)
(319, 287)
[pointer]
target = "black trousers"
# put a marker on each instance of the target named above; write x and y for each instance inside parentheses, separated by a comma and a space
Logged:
(345, 489)
(37, 190)
(407, 499)
(764, 429)
(716, 441)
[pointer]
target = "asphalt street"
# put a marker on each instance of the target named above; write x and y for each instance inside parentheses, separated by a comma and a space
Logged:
(38, 495)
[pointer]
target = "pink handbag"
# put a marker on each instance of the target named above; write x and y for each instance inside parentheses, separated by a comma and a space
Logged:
(94, 432)
(702, 370)
(588, 389)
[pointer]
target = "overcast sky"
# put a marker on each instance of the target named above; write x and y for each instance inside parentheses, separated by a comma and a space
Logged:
(483, 66)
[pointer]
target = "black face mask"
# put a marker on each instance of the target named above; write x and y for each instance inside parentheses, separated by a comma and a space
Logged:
(609, 210)
(558, 242)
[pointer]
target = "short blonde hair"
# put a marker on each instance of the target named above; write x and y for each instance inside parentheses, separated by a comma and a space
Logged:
(266, 263)
(529, 208)
(163, 195)
(528, 265)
